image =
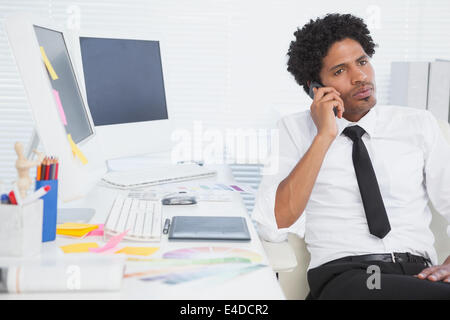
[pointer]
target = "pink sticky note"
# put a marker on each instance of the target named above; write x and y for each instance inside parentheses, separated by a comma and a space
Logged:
(60, 107)
(112, 243)
(96, 232)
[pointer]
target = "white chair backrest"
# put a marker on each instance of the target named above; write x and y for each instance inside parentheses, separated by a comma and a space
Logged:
(439, 223)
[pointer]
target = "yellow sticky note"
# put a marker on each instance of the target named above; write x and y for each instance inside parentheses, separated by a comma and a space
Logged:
(75, 229)
(79, 247)
(138, 251)
(48, 64)
(73, 225)
(76, 151)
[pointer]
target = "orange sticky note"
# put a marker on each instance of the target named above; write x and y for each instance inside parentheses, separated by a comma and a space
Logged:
(75, 229)
(79, 247)
(138, 251)
(48, 64)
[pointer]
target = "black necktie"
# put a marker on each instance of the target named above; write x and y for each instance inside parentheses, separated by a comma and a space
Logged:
(376, 215)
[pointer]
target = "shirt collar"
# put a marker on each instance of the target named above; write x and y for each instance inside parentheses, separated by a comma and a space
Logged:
(367, 122)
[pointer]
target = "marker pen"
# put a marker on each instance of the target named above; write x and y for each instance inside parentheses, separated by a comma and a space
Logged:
(36, 195)
(5, 199)
(17, 194)
(12, 198)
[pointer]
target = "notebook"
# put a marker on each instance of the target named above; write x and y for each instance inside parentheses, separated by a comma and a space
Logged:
(209, 228)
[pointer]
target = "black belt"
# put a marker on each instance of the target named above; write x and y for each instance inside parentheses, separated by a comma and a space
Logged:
(386, 257)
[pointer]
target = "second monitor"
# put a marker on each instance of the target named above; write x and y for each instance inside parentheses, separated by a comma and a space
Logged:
(126, 94)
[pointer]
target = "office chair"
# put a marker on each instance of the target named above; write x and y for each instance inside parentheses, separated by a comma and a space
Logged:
(290, 259)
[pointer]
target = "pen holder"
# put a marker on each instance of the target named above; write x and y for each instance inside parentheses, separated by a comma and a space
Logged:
(50, 209)
(21, 229)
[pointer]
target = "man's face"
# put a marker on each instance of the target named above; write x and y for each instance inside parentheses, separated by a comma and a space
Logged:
(347, 68)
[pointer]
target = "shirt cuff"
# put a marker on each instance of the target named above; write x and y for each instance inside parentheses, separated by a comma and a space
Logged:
(264, 217)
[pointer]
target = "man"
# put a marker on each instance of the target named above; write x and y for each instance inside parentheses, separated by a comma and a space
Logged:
(356, 184)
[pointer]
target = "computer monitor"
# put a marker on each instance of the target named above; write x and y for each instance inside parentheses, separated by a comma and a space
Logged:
(77, 122)
(56, 103)
(126, 93)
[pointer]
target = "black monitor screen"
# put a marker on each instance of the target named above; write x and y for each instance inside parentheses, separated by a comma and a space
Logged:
(66, 85)
(124, 80)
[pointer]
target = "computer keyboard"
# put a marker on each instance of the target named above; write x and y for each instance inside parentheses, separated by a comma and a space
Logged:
(159, 174)
(140, 216)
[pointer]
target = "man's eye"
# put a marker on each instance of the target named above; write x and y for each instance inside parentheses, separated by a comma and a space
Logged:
(338, 72)
(363, 62)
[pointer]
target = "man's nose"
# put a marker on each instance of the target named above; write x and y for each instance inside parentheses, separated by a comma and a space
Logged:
(358, 76)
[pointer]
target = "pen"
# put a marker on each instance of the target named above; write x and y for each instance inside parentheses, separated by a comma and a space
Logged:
(166, 226)
(36, 195)
(5, 199)
(17, 195)
(12, 198)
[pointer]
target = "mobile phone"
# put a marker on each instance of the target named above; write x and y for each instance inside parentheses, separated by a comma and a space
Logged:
(315, 84)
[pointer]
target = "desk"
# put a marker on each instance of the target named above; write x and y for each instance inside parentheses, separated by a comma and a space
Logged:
(257, 285)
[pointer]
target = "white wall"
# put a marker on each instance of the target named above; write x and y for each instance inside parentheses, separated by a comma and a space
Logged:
(226, 58)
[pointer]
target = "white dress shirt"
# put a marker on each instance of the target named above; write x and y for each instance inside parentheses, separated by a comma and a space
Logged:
(411, 160)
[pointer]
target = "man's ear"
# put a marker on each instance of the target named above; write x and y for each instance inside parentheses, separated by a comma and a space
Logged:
(308, 83)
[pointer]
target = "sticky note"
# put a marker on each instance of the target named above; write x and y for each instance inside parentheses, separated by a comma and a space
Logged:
(75, 229)
(76, 151)
(79, 247)
(74, 226)
(138, 251)
(111, 244)
(48, 64)
(60, 107)
(97, 232)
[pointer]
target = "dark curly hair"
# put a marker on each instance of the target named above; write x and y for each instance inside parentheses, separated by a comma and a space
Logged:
(313, 41)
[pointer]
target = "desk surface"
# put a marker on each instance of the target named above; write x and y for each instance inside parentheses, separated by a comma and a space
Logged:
(258, 284)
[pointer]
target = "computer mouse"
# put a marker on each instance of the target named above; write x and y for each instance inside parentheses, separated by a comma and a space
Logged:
(179, 199)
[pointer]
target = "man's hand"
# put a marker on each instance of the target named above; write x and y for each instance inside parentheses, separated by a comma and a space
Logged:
(437, 273)
(325, 99)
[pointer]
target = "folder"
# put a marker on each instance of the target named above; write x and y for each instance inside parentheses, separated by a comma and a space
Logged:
(439, 90)
(409, 84)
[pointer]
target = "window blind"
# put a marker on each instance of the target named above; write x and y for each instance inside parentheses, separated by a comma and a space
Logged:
(225, 59)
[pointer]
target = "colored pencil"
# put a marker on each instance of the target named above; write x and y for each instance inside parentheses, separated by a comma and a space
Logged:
(47, 169)
(43, 169)
(38, 172)
(56, 169)
(52, 170)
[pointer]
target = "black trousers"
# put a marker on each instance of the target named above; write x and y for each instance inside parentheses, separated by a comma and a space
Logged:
(361, 280)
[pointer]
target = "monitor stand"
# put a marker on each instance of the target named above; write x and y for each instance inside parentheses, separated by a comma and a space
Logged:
(78, 215)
